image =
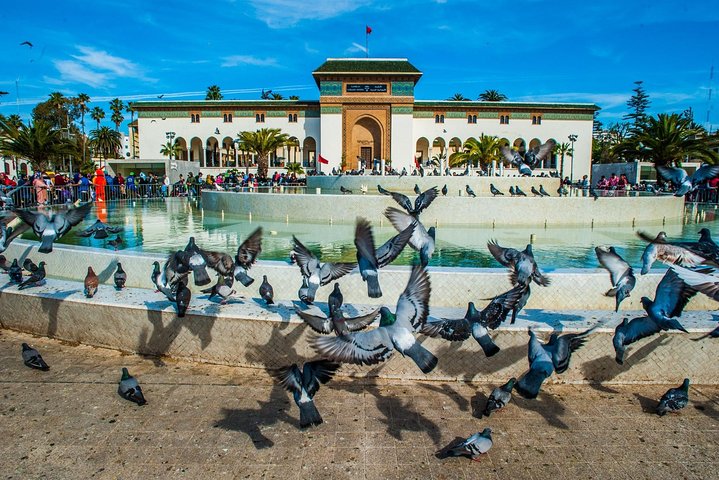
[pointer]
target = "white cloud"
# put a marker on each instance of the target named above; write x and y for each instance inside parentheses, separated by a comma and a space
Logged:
(356, 47)
(75, 72)
(236, 60)
(96, 68)
(102, 60)
(286, 13)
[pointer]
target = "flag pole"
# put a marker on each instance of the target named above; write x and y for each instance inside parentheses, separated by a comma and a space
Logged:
(366, 40)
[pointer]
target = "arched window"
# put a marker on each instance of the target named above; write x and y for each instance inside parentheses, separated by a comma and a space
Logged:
(471, 118)
(227, 117)
(292, 118)
(536, 119)
(195, 118)
(259, 118)
(504, 119)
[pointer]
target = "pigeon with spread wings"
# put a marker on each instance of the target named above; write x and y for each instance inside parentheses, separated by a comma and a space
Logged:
(54, 227)
(316, 272)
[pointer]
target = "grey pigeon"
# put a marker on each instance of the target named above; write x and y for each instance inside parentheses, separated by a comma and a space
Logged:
(515, 158)
(518, 191)
(630, 331)
(316, 272)
(223, 289)
(493, 190)
(543, 191)
(674, 400)
(499, 398)
(99, 230)
(36, 278)
(671, 296)
(197, 262)
(335, 300)
(345, 190)
(422, 202)
(304, 385)
(370, 260)
(416, 189)
(266, 291)
(476, 323)
(660, 249)
(15, 272)
(33, 359)
(246, 256)
(469, 191)
(472, 447)
(704, 280)
(120, 277)
(621, 274)
(523, 267)
(129, 389)
(540, 368)
(521, 303)
(302, 292)
(535, 155)
(422, 240)
(682, 181)
(29, 266)
(444, 190)
(400, 198)
(183, 297)
(561, 347)
(168, 278)
(336, 321)
(535, 192)
(511, 191)
(395, 331)
(54, 227)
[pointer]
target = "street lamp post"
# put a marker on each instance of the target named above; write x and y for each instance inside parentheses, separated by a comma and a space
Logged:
(170, 136)
(572, 138)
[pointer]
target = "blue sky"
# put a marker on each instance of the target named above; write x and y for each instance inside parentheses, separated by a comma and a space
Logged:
(529, 50)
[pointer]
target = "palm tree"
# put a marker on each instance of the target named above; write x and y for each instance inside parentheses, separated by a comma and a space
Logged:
(58, 102)
(562, 149)
(668, 139)
(171, 150)
(14, 120)
(129, 109)
(117, 107)
(492, 96)
(97, 114)
(40, 143)
(476, 151)
(213, 93)
(105, 142)
(262, 142)
(458, 97)
(296, 168)
(81, 101)
(294, 97)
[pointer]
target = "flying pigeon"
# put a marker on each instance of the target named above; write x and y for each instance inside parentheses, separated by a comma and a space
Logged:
(54, 227)
(183, 297)
(120, 277)
(173, 273)
(535, 155)
(423, 201)
(245, 257)
(523, 268)
(266, 291)
(671, 296)
(370, 260)
(27, 43)
(674, 400)
(511, 191)
(470, 192)
(302, 292)
(92, 282)
(535, 192)
(345, 190)
(129, 389)
(36, 278)
(99, 230)
(33, 359)
(499, 398)
(493, 190)
(682, 181)
(660, 249)
(223, 288)
(197, 262)
(621, 274)
(395, 331)
(515, 158)
(519, 192)
(472, 447)
(15, 272)
(316, 272)
(422, 240)
(521, 303)
(543, 191)
(705, 280)
(337, 322)
(476, 323)
(304, 385)
(444, 190)
(416, 189)
(160, 96)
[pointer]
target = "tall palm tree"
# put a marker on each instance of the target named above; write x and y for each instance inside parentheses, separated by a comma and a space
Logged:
(81, 101)
(40, 143)
(171, 150)
(262, 142)
(668, 139)
(476, 151)
(117, 107)
(97, 114)
(492, 96)
(105, 142)
(129, 109)
(14, 120)
(562, 149)
(213, 93)
(458, 97)
(59, 102)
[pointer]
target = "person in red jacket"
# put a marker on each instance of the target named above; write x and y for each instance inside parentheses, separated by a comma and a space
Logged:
(99, 182)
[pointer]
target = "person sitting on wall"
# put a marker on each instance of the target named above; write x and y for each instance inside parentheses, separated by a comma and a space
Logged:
(613, 181)
(603, 183)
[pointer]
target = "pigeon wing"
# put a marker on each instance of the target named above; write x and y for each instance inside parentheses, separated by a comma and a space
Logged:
(316, 323)
(75, 215)
(615, 264)
(706, 284)
(398, 218)
(391, 249)
(505, 256)
(673, 294)
(400, 198)
(219, 262)
(289, 378)
(544, 150)
(30, 217)
(333, 271)
(358, 323)
(425, 199)
(638, 328)
(317, 372)
(363, 348)
(306, 260)
(454, 330)
(250, 249)
(413, 304)
(364, 241)
(704, 173)
(672, 174)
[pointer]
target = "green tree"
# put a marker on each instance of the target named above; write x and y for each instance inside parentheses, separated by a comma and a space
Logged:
(39, 142)
(262, 142)
(638, 105)
(55, 111)
(105, 142)
(266, 94)
(81, 101)
(14, 120)
(171, 150)
(213, 93)
(492, 96)
(296, 168)
(477, 151)
(668, 139)
(276, 96)
(131, 110)
(562, 149)
(97, 114)
(458, 97)
(294, 97)
(117, 107)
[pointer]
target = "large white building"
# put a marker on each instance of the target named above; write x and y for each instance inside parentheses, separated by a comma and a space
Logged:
(366, 113)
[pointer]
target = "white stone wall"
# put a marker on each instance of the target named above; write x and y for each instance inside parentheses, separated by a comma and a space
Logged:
(402, 153)
(329, 144)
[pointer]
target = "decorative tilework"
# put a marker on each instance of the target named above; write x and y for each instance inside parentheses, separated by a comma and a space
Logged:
(405, 89)
(402, 110)
(331, 88)
(326, 110)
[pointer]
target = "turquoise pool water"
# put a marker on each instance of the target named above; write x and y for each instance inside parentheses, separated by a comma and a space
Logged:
(164, 226)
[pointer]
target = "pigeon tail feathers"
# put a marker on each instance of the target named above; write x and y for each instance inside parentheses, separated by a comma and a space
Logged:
(422, 357)
(309, 415)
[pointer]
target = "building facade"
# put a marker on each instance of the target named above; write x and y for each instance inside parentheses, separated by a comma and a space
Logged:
(366, 116)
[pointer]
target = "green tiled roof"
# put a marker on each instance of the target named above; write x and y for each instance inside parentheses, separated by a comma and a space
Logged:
(369, 65)
(501, 106)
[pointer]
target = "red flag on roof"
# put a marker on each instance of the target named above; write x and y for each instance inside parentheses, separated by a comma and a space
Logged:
(323, 160)
(368, 30)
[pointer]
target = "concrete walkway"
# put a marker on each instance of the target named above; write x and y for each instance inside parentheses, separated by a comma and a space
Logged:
(219, 422)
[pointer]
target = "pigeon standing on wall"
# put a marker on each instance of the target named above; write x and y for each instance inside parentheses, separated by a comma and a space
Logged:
(33, 359)
(674, 400)
(36, 278)
(444, 190)
(49, 229)
(120, 277)
(304, 385)
(621, 274)
(543, 191)
(130, 389)
(511, 191)
(223, 288)
(197, 262)
(92, 282)
(344, 190)
(518, 191)
(494, 191)
(266, 291)
(535, 192)
(15, 272)
(416, 189)
(470, 192)
(182, 299)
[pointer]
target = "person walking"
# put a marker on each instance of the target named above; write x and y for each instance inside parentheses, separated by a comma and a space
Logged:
(100, 182)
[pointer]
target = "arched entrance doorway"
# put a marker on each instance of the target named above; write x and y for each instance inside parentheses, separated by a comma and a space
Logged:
(365, 145)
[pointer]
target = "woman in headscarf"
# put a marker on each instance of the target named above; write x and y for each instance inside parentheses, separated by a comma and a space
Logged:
(99, 182)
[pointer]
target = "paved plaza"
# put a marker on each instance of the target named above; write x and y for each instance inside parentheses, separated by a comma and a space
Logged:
(206, 421)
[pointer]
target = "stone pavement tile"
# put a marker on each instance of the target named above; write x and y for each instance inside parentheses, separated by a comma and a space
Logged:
(349, 456)
(579, 470)
(414, 453)
(515, 471)
(249, 472)
(381, 456)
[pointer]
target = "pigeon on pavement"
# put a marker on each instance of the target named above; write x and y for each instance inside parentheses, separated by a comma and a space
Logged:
(129, 389)
(472, 447)
(304, 385)
(499, 398)
(33, 359)
(674, 400)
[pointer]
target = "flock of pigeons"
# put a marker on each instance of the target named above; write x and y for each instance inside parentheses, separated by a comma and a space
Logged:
(341, 338)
